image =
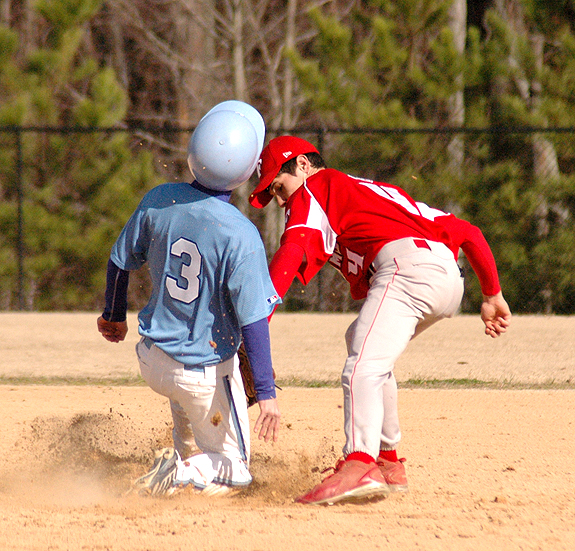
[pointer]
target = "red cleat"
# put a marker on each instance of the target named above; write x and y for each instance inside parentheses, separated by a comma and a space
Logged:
(394, 474)
(351, 481)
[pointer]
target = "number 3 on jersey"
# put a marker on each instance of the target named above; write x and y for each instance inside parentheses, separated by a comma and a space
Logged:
(188, 272)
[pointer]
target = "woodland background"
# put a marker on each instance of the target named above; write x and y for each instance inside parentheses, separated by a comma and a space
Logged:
(470, 106)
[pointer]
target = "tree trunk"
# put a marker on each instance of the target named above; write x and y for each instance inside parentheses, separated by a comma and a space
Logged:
(274, 217)
(197, 73)
(240, 91)
(545, 164)
(287, 115)
(456, 102)
(238, 53)
(5, 12)
(117, 48)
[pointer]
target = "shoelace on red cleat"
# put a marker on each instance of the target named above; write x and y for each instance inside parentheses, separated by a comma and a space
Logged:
(340, 463)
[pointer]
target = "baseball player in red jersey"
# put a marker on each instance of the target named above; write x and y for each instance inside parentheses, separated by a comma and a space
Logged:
(397, 254)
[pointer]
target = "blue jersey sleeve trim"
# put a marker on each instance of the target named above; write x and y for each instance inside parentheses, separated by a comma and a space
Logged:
(256, 338)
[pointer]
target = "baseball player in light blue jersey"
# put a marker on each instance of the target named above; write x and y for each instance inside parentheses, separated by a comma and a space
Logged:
(211, 289)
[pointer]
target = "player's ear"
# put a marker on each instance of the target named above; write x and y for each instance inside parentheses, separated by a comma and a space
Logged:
(303, 163)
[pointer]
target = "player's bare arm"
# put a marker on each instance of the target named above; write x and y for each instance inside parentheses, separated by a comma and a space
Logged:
(113, 331)
(495, 314)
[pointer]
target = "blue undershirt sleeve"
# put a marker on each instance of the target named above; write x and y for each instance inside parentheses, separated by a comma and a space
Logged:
(116, 296)
(256, 338)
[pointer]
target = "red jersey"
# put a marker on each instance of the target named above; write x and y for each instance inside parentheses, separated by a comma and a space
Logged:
(346, 221)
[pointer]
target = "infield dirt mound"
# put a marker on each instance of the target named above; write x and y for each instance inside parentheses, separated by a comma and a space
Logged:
(93, 457)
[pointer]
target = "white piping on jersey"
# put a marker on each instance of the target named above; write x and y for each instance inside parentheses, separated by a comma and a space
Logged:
(429, 212)
(317, 219)
(419, 209)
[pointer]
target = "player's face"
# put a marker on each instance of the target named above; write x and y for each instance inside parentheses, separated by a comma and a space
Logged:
(284, 185)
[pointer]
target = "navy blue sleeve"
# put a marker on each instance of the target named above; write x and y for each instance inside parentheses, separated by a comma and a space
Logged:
(116, 293)
(256, 338)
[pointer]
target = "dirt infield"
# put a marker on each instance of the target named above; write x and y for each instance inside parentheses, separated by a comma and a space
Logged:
(488, 469)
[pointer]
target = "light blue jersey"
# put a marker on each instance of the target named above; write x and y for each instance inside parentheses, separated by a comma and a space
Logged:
(208, 268)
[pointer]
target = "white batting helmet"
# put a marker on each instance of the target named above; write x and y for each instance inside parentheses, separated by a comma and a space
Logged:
(224, 149)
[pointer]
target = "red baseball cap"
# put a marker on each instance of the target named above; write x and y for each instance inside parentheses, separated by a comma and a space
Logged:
(274, 155)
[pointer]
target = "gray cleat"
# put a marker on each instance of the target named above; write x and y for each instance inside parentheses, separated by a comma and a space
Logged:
(159, 481)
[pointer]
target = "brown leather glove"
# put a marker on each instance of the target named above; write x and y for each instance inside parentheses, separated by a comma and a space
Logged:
(247, 376)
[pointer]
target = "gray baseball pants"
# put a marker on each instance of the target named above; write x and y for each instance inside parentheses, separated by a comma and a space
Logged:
(416, 283)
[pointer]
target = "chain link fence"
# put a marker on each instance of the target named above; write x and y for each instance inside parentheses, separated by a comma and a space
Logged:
(66, 193)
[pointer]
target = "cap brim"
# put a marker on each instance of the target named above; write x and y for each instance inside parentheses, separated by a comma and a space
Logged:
(259, 197)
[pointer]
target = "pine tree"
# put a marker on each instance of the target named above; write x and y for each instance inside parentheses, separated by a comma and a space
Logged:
(522, 192)
(395, 64)
(392, 65)
(79, 188)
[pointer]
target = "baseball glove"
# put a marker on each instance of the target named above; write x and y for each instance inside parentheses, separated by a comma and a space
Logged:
(247, 376)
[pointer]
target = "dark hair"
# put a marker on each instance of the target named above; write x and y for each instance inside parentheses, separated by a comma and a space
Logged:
(315, 160)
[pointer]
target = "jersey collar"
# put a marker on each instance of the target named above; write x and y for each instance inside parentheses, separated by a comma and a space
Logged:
(221, 195)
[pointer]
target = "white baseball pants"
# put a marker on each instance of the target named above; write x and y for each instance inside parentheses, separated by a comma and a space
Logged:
(416, 283)
(209, 409)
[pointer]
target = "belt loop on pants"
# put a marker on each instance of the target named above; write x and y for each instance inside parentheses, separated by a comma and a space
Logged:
(197, 368)
(400, 247)
(421, 243)
(148, 343)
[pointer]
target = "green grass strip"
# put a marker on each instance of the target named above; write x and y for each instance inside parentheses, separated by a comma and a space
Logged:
(440, 384)
(137, 381)
(308, 383)
(73, 381)
(494, 385)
